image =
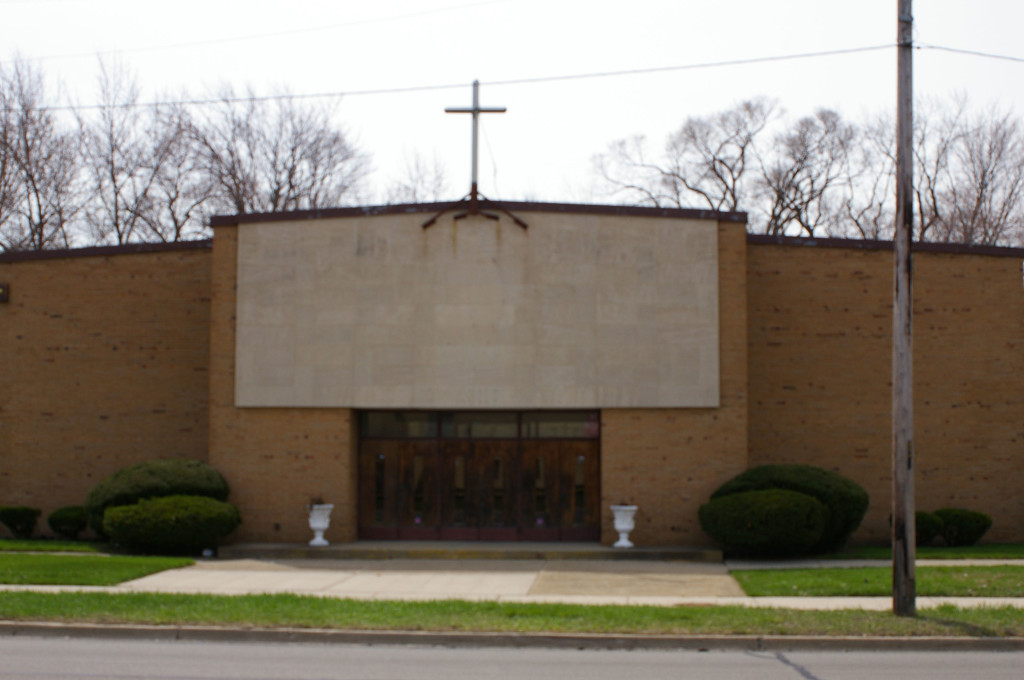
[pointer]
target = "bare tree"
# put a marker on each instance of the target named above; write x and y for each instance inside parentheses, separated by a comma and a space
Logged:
(802, 183)
(181, 188)
(706, 160)
(982, 200)
(422, 182)
(279, 155)
(118, 160)
(8, 169)
(870, 183)
(42, 193)
(935, 134)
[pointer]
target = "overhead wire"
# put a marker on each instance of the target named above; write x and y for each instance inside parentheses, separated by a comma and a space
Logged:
(514, 81)
(524, 81)
(274, 34)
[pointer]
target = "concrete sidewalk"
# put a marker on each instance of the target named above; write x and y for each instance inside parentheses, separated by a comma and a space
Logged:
(591, 582)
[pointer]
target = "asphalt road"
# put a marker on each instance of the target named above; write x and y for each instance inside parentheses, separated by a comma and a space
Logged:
(73, 659)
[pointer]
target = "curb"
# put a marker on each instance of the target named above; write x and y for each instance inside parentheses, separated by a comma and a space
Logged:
(508, 640)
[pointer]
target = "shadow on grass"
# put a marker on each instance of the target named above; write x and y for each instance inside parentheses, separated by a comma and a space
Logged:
(962, 628)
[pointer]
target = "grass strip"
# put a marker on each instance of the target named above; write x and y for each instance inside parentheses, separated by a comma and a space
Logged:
(295, 611)
(966, 581)
(986, 551)
(47, 545)
(80, 570)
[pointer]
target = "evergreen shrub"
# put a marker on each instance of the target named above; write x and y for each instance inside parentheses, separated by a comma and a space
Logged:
(171, 525)
(68, 521)
(765, 523)
(963, 527)
(927, 525)
(153, 479)
(19, 519)
(846, 500)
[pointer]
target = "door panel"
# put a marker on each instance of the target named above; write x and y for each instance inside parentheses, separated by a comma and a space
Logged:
(458, 491)
(378, 490)
(538, 491)
(498, 502)
(418, 512)
(578, 491)
(490, 489)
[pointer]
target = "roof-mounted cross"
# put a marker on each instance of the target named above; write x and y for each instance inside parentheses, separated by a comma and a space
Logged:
(474, 194)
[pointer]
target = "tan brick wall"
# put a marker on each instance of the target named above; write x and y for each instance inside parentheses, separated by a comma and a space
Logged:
(105, 364)
(820, 322)
(274, 459)
(668, 461)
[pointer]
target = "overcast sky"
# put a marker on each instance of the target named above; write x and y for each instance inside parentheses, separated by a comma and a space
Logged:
(541, 149)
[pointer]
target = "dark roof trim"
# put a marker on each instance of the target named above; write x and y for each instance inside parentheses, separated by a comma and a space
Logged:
(867, 244)
(511, 206)
(102, 251)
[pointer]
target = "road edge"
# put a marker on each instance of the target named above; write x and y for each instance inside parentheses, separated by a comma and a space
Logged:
(535, 640)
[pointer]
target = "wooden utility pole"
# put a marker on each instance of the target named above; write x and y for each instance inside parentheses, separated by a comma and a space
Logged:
(904, 587)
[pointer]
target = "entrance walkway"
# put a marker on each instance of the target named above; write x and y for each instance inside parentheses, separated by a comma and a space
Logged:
(558, 577)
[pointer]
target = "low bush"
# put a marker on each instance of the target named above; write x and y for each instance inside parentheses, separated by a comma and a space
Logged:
(927, 525)
(765, 523)
(171, 525)
(963, 527)
(153, 479)
(68, 521)
(846, 500)
(20, 520)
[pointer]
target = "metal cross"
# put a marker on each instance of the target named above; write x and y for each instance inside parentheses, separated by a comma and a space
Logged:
(476, 110)
(474, 194)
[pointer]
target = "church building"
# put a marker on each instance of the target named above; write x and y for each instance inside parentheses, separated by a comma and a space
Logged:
(506, 372)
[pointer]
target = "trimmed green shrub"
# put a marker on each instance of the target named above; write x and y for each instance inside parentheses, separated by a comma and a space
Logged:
(846, 500)
(68, 521)
(927, 525)
(765, 523)
(153, 479)
(171, 525)
(963, 527)
(20, 520)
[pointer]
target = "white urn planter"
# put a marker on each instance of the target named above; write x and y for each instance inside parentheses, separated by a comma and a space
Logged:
(623, 524)
(319, 520)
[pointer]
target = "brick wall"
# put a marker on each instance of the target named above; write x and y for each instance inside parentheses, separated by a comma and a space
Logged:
(274, 459)
(105, 356)
(668, 461)
(113, 356)
(820, 339)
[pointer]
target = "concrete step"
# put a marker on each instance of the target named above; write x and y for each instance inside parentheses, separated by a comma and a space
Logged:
(459, 550)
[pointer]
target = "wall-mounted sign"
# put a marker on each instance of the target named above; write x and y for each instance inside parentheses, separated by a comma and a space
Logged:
(5, 292)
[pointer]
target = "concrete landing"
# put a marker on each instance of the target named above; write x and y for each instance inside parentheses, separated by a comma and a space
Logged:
(463, 550)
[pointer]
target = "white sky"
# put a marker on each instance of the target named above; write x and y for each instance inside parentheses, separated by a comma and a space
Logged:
(541, 149)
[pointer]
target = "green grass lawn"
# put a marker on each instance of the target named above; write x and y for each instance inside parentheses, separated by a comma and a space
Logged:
(315, 612)
(991, 551)
(47, 545)
(294, 611)
(967, 581)
(80, 570)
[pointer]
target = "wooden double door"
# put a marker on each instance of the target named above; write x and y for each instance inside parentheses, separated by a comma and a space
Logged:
(479, 489)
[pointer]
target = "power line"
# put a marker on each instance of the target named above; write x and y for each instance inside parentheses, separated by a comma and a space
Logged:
(515, 81)
(973, 53)
(525, 81)
(263, 36)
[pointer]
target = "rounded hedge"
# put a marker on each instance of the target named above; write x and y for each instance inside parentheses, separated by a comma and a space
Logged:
(765, 523)
(153, 479)
(927, 525)
(963, 527)
(68, 521)
(21, 520)
(846, 500)
(171, 525)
